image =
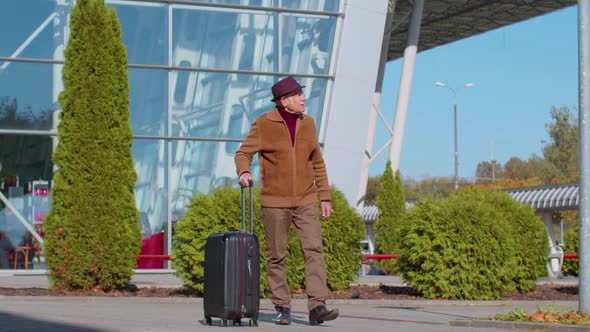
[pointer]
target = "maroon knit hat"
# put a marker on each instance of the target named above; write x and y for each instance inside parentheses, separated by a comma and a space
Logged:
(285, 87)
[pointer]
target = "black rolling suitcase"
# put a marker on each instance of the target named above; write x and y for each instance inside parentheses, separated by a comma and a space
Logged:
(232, 274)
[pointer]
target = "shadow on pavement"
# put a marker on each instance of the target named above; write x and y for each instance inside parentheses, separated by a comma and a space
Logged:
(16, 323)
(296, 318)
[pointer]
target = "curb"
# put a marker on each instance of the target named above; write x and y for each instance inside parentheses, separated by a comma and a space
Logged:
(509, 325)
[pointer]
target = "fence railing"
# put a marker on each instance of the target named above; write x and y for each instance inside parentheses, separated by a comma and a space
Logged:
(365, 257)
(395, 256)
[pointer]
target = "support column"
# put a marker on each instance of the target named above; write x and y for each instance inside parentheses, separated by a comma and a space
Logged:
(555, 258)
(360, 200)
(584, 152)
(403, 95)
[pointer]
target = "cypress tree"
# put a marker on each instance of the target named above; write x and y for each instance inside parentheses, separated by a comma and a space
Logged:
(391, 202)
(92, 230)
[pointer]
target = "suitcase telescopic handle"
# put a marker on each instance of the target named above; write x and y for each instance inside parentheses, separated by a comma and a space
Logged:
(250, 185)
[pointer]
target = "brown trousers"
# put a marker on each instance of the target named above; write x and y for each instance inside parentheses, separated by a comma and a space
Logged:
(306, 223)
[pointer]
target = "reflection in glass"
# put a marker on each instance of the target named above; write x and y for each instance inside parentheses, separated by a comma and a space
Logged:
(151, 188)
(180, 89)
(148, 101)
(263, 3)
(315, 5)
(206, 38)
(200, 167)
(145, 32)
(307, 44)
(25, 175)
(151, 197)
(220, 106)
(26, 96)
(33, 28)
(315, 91)
(214, 101)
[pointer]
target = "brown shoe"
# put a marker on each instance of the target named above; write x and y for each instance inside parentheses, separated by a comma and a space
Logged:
(321, 314)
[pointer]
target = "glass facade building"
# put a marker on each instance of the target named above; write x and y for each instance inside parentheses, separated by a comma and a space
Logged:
(199, 71)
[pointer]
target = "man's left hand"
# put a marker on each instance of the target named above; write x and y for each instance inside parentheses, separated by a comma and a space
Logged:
(326, 209)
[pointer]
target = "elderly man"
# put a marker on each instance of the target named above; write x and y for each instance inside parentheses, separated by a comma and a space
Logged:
(293, 172)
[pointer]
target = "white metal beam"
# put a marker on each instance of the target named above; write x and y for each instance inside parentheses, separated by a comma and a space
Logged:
(403, 96)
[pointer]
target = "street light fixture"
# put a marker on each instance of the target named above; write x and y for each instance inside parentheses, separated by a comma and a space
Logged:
(455, 91)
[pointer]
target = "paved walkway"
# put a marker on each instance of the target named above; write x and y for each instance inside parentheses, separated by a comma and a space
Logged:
(169, 280)
(93, 314)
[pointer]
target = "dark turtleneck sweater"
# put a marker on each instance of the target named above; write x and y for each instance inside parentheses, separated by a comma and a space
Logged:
(291, 121)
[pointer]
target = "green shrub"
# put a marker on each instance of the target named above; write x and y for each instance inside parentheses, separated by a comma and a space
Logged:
(572, 246)
(530, 238)
(92, 235)
(209, 214)
(392, 204)
(220, 212)
(466, 246)
(342, 234)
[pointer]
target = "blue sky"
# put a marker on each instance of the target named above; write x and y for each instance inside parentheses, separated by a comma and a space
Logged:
(519, 73)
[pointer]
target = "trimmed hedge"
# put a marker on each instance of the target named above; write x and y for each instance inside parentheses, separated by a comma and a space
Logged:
(392, 204)
(341, 235)
(220, 212)
(530, 238)
(474, 245)
(572, 246)
(92, 235)
(208, 214)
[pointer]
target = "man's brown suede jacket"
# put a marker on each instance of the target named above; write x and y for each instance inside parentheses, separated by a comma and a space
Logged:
(291, 175)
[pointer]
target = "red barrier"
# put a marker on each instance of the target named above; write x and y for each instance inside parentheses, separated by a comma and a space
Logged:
(154, 258)
(395, 256)
(151, 246)
(375, 257)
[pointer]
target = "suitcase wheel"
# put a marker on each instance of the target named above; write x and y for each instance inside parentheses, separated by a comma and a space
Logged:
(208, 320)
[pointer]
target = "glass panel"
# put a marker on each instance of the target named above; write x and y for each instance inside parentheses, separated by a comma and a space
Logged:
(33, 28)
(307, 44)
(223, 39)
(253, 3)
(151, 196)
(315, 91)
(148, 101)
(151, 188)
(199, 167)
(27, 96)
(145, 32)
(25, 175)
(316, 5)
(219, 105)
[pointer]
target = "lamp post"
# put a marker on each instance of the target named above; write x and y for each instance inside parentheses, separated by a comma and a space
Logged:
(455, 91)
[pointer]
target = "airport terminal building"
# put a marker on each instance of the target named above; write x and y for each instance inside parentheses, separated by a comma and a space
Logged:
(200, 72)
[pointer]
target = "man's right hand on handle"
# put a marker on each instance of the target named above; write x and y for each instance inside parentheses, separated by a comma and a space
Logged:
(245, 179)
